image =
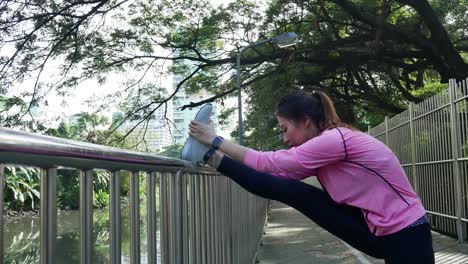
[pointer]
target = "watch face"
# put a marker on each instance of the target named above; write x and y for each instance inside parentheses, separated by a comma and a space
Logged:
(217, 141)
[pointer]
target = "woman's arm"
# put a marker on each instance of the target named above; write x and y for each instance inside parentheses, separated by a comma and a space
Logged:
(205, 134)
(297, 162)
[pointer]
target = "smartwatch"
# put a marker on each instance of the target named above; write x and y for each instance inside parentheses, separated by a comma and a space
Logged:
(208, 155)
(217, 142)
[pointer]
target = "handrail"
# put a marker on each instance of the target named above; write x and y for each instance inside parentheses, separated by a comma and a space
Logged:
(204, 218)
(31, 149)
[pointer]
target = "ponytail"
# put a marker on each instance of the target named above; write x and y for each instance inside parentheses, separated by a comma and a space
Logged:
(330, 117)
(317, 105)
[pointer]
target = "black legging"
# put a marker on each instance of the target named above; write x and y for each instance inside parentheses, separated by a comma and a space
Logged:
(411, 245)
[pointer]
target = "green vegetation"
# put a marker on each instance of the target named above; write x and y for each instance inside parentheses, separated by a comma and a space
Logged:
(172, 151)
(21, 188)
(22, 184)
(371, 57)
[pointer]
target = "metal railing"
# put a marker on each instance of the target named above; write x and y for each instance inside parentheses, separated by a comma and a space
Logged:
(205, 218)
(431, 141)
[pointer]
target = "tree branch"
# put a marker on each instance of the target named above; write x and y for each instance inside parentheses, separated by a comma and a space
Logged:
(225, 93)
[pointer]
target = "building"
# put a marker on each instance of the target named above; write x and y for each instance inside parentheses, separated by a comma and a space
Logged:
(182, 118)
(149, 137)
(155, 135)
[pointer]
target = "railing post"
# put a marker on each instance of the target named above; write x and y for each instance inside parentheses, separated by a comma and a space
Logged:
(176, 224)
(185, 222)
(48, 215)
(164, 219)
(135, 218)
(413, 147)
(209, 220)
(203, 221)
(2, 183)
(386, 131)
(230, 228)
(236, 213)
(192, 220)
(151, 214)
(213, 225)
(86, 216)
(198, 218)
(224, 220)
(246, 236)
(115, 218)
(455, 156)
(219, 219)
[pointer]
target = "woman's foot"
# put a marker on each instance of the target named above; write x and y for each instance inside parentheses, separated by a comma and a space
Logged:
(193, 150)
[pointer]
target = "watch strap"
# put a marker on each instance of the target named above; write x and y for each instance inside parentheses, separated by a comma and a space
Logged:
(217, 141)
(208, 155)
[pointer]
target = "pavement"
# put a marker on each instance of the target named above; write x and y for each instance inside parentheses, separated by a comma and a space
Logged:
(292, 238)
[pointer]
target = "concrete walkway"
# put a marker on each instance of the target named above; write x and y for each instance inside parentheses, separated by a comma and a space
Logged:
(292, 238)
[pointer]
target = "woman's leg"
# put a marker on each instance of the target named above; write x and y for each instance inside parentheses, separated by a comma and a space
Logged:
(342, 221)
(411, 245)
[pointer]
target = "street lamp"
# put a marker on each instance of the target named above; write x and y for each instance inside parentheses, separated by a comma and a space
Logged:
(283, 40)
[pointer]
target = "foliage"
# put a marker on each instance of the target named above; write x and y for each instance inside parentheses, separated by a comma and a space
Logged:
(89, 127)
(101, 198)
(125, 183)
(14, 110)
(101, 180)
(22, 244)
(172, 151)
(25, 247)
(372, 56)
(22, 185)
(68, 185)
(68, 189)
(430, 89)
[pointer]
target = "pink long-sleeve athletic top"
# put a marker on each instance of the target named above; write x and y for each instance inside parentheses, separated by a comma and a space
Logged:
(355, 169)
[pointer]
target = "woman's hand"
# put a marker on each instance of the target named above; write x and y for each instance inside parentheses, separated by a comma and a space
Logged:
(202, 132)
(205, 134)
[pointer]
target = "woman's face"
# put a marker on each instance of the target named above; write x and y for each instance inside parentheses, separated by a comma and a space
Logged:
(296, 133)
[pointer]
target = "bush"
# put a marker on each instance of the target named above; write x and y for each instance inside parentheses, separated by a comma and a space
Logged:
(101, 199)
(22, 185)
(68, 189)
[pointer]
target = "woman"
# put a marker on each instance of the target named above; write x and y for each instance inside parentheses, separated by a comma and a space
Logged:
(366, 200)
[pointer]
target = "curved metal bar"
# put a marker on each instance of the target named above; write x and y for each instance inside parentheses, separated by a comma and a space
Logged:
(31, 149)
(211, 223)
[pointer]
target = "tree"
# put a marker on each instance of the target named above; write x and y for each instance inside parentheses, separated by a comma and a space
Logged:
(93, 128)
(172, 151)
(370, 56)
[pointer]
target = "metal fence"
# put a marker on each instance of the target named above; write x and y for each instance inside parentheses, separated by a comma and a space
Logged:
(205, 218)
(431, 141)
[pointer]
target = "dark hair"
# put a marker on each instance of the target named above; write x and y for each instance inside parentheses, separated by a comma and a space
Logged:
(317, 105)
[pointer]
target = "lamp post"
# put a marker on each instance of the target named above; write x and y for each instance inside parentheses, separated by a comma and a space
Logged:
(283, 40)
